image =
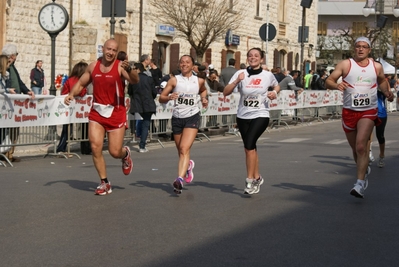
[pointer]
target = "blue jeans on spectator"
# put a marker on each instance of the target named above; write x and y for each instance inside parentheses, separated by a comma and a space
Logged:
(138, 128)
(37, 90)
(62, 145)
(145, 128)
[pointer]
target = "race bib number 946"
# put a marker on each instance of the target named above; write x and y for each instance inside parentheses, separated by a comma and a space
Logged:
(187, 100)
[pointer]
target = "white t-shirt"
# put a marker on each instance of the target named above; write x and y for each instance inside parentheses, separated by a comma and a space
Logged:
(187, 103)
(253, 94)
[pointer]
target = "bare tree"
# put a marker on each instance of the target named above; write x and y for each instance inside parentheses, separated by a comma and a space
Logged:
(200, 22)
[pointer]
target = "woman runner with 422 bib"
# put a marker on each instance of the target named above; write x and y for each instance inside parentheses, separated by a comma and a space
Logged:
(253, 111)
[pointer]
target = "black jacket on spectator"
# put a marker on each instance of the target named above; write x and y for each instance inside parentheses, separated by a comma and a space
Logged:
(22, 86)
(142, 95)
(156, 76)
(38, 76)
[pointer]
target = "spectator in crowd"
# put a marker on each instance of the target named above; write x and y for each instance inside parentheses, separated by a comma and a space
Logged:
(184, 89)
(243, 66)
(37, 78)
(265, 67)
(206, 65)
(142, 102)
(321, 81)
(75, 74)
(279, 74)
(195, 68)
(5, 76)
(298, 80)
(213, 82)
(253, 111)
(288, 82)
(308, 80)
(166, 77)
(108, 112)
(156, 73)
(10, 50)
(146, 61)
(228, 72)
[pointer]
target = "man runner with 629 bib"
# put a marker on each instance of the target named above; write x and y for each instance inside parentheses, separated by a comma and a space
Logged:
(361, 77)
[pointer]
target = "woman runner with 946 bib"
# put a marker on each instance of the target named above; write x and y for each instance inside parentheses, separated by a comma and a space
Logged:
(185, 90)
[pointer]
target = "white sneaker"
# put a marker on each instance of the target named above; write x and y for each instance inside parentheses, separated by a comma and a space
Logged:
(371, 157)
(366, 181)
(252, 186)
(381, 163)
(358, 190)
(143, 150)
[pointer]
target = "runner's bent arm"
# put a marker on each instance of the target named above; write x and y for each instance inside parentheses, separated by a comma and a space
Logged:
(165, 97)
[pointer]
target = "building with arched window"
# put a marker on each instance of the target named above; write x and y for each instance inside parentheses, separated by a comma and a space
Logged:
(138, 33)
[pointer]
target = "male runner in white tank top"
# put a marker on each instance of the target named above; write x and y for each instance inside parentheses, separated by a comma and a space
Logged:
(361, 77)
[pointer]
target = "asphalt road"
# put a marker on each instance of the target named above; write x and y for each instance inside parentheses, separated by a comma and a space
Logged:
(303, 215)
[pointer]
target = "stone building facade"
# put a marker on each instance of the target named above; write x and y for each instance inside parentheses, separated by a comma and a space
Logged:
(87, 31)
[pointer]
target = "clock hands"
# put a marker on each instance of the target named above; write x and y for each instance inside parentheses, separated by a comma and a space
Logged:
(52, 17)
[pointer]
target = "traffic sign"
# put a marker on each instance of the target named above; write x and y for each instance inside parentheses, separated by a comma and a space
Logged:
(271, 32)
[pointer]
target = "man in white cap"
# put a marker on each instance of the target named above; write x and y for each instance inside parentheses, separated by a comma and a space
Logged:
(10, 50)
(361, 77)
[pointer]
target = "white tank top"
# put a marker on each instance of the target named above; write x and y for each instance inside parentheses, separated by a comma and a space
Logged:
(253, 94)
(362, 91)
(187, 103)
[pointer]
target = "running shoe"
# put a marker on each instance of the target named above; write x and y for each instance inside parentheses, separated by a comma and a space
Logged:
(190, 175)
(178, 185)
(103, 189)
(252, 186)
(358, 190)
(366, 181)
(381, 163)
(127, 163)
(371, 157)
(143, 150)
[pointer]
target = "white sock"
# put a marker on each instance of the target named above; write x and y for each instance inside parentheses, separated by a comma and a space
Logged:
(361, 182)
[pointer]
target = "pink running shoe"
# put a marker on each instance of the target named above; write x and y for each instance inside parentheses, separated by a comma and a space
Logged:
(190, 175)
(103, 189)
(127, 163)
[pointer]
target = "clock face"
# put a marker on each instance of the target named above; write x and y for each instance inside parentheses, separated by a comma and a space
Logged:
(53, 18)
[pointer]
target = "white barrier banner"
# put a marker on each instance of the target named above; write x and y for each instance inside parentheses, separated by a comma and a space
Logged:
(21, 110)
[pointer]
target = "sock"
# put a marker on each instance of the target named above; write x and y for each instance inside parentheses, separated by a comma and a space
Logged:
(361, 182)
(105, 180)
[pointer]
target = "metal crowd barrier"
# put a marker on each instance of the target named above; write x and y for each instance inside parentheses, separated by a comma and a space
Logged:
(49, 136)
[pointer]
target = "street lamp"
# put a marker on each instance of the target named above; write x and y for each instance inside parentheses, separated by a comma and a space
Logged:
(396, 9)
(367, 9)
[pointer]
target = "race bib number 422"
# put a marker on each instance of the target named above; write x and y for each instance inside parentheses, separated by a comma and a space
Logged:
(252, 101)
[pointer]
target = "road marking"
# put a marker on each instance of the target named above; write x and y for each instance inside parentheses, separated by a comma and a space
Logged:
(294, 140)
(336, 141)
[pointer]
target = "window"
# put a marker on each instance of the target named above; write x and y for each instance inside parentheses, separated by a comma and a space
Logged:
(359, 29)
(231, 4)
(282, 10)
(321, 29)
(257, 11)
(395, 31)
